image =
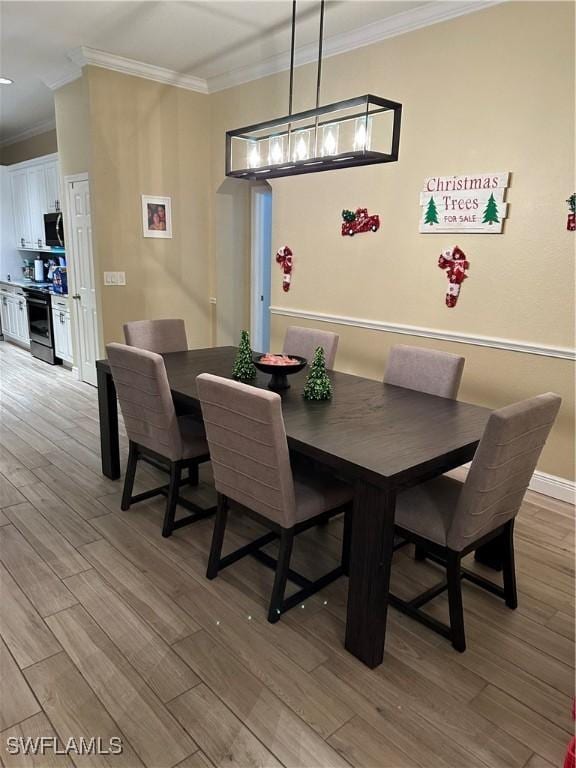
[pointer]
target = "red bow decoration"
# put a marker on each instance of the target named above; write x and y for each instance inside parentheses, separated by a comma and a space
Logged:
(284, 258)
(455, 264)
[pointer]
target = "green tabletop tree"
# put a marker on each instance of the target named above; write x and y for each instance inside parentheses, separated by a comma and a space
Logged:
(244, 368)
(318, 385)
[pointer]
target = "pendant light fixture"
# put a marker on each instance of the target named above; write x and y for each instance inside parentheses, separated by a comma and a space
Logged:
(364, 130)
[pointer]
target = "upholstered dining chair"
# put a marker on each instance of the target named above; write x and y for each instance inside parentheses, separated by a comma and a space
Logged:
(426, 370)
(251, 465)
(161, 336)
(447, 519)
(155, 431)
(304, 342)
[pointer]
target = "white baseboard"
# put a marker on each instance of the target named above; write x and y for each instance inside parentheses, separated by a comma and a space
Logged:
(548, 485)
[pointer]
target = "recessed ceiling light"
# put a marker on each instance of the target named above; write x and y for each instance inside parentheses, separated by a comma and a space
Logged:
(6, 81)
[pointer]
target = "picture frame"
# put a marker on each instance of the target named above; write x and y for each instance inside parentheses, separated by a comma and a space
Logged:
(157, 216)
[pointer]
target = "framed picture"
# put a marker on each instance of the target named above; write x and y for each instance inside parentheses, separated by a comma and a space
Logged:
(157, 216)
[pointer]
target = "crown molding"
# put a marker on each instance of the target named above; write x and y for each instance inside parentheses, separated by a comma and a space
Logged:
(35, 130)
(398, 24)
(83, 56)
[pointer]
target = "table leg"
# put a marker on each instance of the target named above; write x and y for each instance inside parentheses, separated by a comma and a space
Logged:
(370, 562)
(108, 410)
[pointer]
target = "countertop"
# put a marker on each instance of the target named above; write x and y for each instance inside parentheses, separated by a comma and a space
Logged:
(33, 284)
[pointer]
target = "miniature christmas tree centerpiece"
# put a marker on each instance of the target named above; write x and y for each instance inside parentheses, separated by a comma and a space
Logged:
(244, 368)
(318, 385)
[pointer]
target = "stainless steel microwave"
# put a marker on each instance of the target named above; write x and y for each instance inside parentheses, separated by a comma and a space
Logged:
(54, 230)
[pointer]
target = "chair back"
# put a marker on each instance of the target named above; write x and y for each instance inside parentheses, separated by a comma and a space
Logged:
(502, 468)
(145, 399)
(248, 447)
(425, 370)
(304, 341)
(161, 336)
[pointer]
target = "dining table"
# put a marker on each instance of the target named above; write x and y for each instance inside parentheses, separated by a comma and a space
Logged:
(379, 438)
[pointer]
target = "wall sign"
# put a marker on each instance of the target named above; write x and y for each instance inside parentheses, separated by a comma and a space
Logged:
(473, 203)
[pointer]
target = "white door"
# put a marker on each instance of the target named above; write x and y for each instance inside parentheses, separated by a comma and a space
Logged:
(21, 208)
(21, 319)
(80, 259)
(4, 313)
(261, 204)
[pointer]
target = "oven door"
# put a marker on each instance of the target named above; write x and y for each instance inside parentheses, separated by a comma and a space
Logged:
(39, 321)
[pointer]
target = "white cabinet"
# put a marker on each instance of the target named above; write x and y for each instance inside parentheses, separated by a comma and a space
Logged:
(62, 329)
(35, 191)
(52, 187)
(14, 315)
(21, 207)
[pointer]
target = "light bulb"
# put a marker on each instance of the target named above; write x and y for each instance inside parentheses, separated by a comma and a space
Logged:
(329, 143)
(254, 157)
(360, 138)
(276, 154)
(301, 152)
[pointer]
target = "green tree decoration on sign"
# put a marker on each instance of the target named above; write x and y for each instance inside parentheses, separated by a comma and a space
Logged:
(491, 212)
(318, 385)
(244, 368)
(431, 213)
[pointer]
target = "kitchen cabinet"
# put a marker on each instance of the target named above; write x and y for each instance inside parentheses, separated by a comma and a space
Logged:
(14, 316)
(62, 329)
(35, 191)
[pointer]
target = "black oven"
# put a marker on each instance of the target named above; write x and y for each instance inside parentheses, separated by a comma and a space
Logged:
(40, 325)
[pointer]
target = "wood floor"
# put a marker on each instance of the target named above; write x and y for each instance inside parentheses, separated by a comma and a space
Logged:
(108, 630)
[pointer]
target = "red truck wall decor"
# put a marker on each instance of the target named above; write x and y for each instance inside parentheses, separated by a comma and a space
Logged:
(359, 221)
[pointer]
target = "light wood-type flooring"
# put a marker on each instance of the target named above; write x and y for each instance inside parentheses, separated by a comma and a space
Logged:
(108, 630)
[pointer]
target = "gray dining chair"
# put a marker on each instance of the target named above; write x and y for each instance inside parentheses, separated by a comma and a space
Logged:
(425, 370)
(155, 431)
(304, 342)
(447, 519)
(251, 465)
(161, 336)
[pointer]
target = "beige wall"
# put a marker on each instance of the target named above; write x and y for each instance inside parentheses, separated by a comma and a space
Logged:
(73, 127)
(486, 92)
(27, 149)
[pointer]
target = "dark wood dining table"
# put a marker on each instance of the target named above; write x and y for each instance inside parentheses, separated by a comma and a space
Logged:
(378, 437)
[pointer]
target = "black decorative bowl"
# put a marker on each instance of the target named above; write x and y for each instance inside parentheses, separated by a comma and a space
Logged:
(280, 373)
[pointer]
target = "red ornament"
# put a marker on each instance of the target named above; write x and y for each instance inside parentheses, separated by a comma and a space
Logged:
(455, 263)
(359, 221)
(284, 258)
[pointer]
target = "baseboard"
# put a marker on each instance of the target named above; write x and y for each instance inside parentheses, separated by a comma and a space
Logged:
(548, 485)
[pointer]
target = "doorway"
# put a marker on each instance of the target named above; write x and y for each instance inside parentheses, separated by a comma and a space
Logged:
(261, 258)
(82, 283)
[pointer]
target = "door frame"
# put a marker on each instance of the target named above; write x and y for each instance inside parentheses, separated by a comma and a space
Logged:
(67, 182)
(260, 265)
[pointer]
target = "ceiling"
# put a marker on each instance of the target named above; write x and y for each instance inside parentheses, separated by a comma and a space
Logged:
(210, 40)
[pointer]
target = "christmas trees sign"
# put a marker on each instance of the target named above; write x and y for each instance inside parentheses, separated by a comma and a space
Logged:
(473, 203)
(318, 385)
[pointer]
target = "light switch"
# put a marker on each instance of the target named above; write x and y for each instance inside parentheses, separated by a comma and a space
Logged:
(108, 278)
(121, 278)
(114, 278)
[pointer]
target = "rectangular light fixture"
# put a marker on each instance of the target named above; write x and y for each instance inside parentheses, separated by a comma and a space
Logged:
(361, 131)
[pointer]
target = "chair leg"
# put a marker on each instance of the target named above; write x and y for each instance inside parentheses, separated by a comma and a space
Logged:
(346, 538)
(217, 537)
(193, 474)
(283, 564)
(508, 567)
(456, 610)
(172, 501)
(419, 553)
(129, 477)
